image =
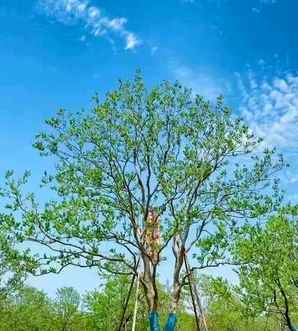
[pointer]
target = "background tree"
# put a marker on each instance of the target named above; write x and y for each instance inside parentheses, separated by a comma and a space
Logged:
(269, 271)
(105, 306)
(227, 312)
(13, 267)
(67, 306)
(29, 309)
(143, 161)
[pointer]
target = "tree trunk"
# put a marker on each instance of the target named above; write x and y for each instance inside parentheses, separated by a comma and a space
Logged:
(179, 251)
(148, 280)
(151, 292)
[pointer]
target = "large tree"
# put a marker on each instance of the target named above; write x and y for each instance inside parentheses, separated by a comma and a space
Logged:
(143, 170)
(269, 270)
(226, 311)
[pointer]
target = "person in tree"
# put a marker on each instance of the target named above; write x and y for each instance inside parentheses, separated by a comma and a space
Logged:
(152, 235)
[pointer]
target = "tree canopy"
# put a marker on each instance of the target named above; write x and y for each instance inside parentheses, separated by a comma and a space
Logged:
(268, 274)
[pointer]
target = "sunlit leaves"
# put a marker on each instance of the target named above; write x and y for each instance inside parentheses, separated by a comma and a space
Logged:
(140, 148)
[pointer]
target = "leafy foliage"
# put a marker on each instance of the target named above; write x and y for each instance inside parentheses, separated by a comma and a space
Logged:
(226, 311)
(192, 162)
(268, 274)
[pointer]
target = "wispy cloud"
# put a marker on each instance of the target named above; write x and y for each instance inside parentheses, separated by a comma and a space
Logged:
(91, 17)
(270, 106)
(261, 4)
(200, 81)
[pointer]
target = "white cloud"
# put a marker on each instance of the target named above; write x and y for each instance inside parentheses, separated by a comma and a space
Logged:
(270, 106)
(201, 82)
(131, 40)
(118, 24)
(94, 21)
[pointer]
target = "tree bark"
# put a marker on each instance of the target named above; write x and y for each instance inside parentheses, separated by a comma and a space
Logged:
(148, 280)
(179, 251)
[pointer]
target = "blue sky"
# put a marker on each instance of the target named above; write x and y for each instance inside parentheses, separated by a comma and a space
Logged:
(58, 53)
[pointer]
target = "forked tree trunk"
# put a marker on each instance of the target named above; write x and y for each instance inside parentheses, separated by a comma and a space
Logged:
(151, 293)
(149, 284)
